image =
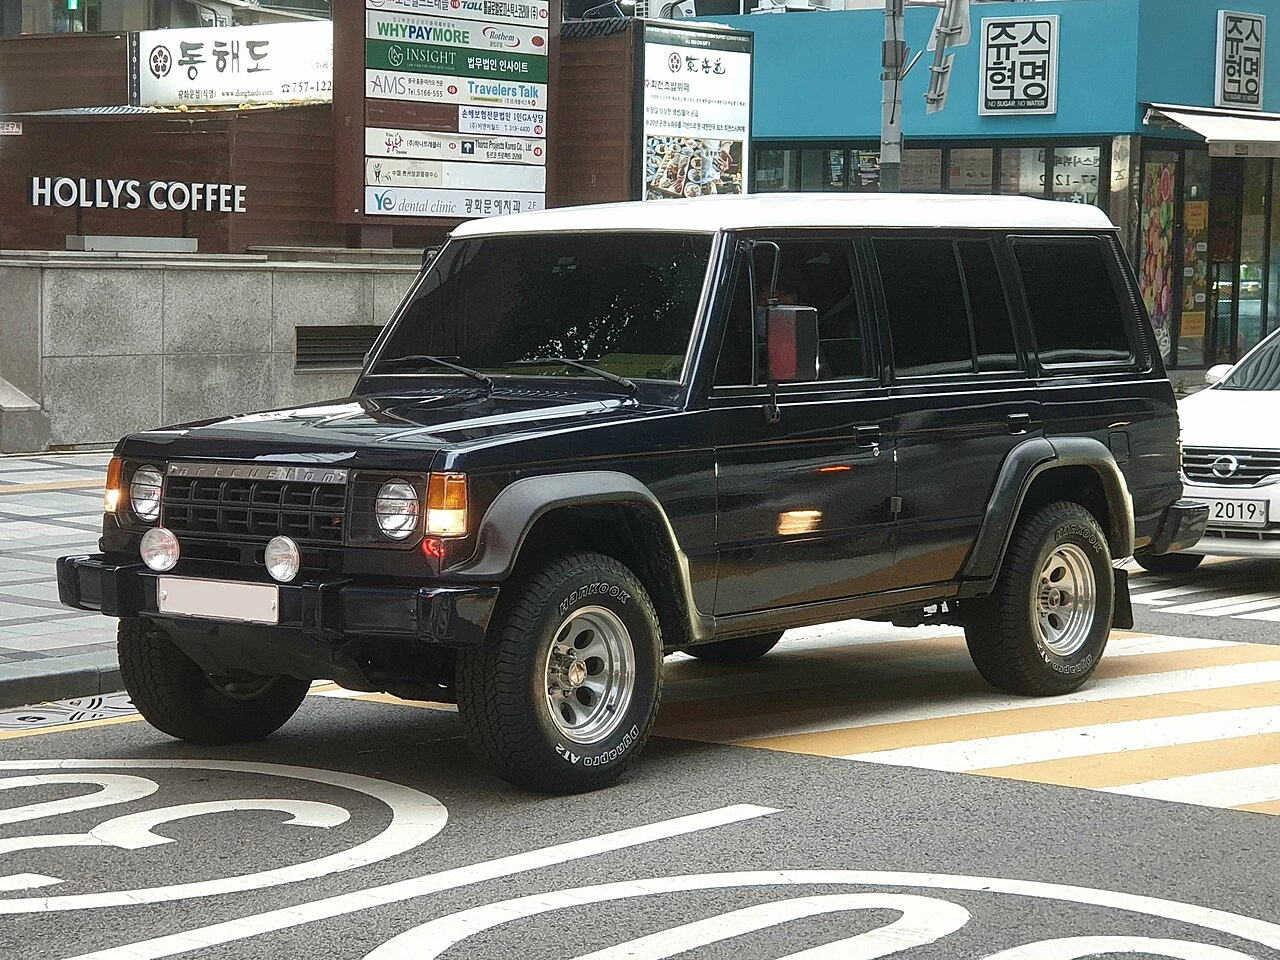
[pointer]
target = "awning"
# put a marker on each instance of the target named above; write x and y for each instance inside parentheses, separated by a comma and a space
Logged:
(1229, 133)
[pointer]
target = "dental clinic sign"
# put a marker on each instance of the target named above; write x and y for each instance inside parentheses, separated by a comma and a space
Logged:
(137, 194)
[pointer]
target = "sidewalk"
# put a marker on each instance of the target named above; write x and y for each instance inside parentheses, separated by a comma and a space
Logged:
(50, 506)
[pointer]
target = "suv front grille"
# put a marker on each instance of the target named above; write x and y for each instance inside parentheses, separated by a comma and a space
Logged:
(311, 513)
(1235, 468)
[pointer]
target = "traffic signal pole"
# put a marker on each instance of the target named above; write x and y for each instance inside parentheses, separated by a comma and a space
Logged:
(892, 60)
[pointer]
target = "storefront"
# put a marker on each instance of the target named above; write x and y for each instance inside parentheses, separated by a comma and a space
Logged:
(1062, 100)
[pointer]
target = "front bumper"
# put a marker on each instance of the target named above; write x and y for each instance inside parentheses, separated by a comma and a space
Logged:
(1238, 541)
(330, 610)
(1182, 526)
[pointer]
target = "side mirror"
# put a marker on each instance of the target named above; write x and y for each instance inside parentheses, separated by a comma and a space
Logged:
(1216, 373)
(791, 343)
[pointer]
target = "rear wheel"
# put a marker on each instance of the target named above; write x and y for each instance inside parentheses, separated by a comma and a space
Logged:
(1043, 629)
(565, 691)
(177, 697)
(737, 650)
(1170, 562)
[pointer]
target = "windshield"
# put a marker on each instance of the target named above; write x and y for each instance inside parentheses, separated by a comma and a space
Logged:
(624, 303)
(1260, 370)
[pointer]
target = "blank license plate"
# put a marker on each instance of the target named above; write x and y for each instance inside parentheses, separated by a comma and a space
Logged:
(1237, 513)
(219, 600)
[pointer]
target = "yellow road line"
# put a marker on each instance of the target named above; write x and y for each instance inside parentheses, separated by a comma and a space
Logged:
(8, 488)
(81, 725)
(999, 723)
(1269, 806)
(1152, 763)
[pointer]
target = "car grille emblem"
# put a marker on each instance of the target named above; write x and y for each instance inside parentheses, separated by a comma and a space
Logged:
(1225, 466)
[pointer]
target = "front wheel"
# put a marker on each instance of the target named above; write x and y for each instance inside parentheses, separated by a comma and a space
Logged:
(565, 690)
(1043, 629)
(1170, 562)
(177, 697)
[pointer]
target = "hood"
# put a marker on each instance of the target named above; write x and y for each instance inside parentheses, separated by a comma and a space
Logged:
(381, 429)
(1231, 419)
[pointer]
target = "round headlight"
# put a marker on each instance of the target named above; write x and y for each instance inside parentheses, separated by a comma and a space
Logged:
(283, 559)
(397, 509)
(159, 549)
(144, 493)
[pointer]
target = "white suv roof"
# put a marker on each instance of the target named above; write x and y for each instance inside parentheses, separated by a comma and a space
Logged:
(711, 214)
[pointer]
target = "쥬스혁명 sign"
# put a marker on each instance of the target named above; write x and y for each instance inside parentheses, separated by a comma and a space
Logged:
(1019, 64)
(1241, 55)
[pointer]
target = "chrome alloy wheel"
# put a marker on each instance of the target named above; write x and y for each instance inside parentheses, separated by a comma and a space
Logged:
(590, 675)
(1066, 600)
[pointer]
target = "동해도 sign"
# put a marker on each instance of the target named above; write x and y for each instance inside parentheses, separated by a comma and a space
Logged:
(476, 72)
(208, 66)
(1242, 39)
(111, 194)
(696, 118)
(1019, 64)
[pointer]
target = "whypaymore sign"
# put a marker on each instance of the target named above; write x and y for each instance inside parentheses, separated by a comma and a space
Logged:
(109, 194)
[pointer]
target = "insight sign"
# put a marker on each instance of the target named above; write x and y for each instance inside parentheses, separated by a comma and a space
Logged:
(105, 194)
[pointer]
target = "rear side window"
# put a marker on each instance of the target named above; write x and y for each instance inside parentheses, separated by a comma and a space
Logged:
(946, 306)
(1075, 310)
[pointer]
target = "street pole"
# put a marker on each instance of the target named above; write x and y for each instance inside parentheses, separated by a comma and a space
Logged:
(893, 59)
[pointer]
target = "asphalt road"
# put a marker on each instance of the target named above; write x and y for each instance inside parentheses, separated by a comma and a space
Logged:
(401, 846)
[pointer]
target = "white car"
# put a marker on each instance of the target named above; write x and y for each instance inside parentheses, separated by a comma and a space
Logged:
(1231, 460)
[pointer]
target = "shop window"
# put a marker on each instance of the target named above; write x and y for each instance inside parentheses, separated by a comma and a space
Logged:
(821, 170)
(1071, 295)
(922, 171)
(1253, 243)
(1077, 174)
(776, 171)
(1022, 171)
(969, 171)
(865, 172)
(925, 302)
(1195, 260)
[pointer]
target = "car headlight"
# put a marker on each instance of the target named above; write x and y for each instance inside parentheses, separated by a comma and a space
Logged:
(397, 508)
(144, 493)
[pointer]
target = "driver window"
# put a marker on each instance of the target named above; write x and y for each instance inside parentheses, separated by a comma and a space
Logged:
(815, 273)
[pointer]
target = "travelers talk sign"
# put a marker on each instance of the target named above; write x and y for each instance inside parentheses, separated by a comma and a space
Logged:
(137, 194)
(475, 73)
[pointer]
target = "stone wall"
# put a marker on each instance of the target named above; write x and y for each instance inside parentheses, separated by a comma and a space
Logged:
(111, 345)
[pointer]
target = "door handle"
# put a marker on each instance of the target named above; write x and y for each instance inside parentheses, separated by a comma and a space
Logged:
(868, 438)
(1018, 422)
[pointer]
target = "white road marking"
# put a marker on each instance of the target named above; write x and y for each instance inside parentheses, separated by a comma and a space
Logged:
(430, 940)
(135, 831)
(1272, 615)
(288, 917)
(1226, 606)
(1229, 788)
(823, 719)
(1074, 948)
(116, 788)
(1156, 597)
(27, 881)
(415, 818)
(924, 920)
(1084, 741)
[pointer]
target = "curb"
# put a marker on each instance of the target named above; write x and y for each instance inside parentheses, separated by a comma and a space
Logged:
(59, 678)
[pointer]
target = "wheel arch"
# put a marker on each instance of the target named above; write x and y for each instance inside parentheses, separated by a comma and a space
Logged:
(604, 511)
(1040, 471)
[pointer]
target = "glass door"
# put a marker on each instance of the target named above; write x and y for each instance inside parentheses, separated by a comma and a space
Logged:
(1224, 260)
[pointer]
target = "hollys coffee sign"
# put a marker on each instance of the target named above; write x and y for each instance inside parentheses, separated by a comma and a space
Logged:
(110, 194)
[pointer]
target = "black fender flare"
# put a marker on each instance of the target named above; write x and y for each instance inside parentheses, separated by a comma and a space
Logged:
(506, 524)
(1029, 460)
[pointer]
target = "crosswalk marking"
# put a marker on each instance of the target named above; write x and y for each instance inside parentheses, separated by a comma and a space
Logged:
(1162, 596)
(1185, 719)
(1226, 606)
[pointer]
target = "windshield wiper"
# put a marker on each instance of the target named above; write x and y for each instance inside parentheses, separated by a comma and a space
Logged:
(579, 365)
(428, 358)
